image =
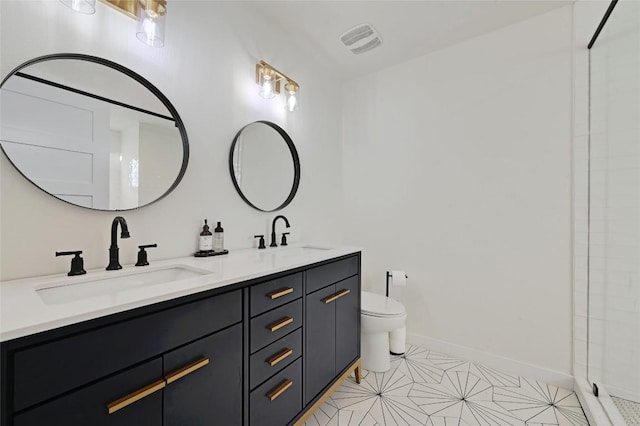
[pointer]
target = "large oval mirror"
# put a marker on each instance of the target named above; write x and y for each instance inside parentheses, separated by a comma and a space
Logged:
(91, 132)
(264, 166)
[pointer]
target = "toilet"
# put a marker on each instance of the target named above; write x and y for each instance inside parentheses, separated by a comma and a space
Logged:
(382, 321)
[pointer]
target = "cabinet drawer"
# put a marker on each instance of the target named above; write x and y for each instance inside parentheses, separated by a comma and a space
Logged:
(275, 293)
(50, 369)
(279, 399)
(275, 357)
(88, 406)
(322, 276)
(275, 324)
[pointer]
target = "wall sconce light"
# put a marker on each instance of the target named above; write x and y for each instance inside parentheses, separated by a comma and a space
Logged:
(150, 15)
(268, 78)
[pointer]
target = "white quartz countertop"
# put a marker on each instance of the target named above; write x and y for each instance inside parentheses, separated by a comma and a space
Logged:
(23, 311)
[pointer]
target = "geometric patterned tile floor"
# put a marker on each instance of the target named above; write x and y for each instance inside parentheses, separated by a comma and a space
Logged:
(630, 410)
(429, 388)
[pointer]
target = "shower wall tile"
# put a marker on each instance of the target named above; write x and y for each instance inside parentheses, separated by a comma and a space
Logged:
(581, 300)
(580, 198)
(581, 353)
(614, 252)
(581, 111)
(580, 331)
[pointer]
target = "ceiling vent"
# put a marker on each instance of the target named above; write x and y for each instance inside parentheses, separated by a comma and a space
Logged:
(361, 38)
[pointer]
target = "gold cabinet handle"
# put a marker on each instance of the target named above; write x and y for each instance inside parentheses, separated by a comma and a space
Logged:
(279, 356)
(187, 369)
(279, 293)
(279, 390)
(135, 396)
(336, 296)
(279, 324)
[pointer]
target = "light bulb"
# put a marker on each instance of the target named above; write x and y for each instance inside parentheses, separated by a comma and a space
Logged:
(292, 102)
(266, 89)
(292, 90)
(87, 7)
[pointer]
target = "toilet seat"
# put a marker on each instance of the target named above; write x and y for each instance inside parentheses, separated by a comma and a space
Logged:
(376, 305)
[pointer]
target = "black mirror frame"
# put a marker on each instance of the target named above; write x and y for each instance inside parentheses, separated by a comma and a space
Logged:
(294, 155)
(137, 77)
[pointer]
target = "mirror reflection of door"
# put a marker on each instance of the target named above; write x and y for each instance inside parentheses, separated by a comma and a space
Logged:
(89, 134)
(59, 139)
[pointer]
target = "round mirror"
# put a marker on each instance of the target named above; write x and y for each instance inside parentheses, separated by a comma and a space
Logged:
(91, 132)
(264, 166)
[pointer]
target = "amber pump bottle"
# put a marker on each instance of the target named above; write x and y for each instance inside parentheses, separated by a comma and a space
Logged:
(206, 238)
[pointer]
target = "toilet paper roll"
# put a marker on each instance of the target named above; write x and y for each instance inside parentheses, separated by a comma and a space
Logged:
(398, 278)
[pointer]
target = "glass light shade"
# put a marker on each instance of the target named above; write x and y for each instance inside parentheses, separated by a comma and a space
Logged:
(292, 91)
(87, 7)
(151, 22)
(267, 82)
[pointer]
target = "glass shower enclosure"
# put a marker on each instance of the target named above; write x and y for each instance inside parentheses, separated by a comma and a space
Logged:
(613, 355)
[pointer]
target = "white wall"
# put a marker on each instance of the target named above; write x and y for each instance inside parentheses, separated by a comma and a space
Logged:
(206, 69)
(457, 169)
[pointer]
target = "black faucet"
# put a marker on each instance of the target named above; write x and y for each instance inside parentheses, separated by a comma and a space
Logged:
(114, 259)
(273, 229)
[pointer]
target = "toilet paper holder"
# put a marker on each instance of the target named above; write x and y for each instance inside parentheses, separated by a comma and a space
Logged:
(389, 276)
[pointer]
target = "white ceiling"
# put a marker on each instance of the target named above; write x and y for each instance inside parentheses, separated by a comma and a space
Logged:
(408, 28)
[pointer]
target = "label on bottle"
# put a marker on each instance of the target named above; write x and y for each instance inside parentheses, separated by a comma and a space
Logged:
(206, 243)
(218, 241)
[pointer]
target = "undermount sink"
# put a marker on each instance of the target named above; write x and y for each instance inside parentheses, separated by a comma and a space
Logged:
(297, 251)
(113, 283)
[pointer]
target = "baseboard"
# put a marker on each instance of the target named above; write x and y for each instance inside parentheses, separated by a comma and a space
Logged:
(507, 365)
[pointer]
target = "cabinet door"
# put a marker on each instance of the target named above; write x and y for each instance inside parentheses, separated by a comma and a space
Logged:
(88, 406)
(347, 323)
(320, 329)
(205, 394)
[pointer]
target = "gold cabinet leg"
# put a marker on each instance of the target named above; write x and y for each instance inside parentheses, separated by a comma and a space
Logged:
(358, 374)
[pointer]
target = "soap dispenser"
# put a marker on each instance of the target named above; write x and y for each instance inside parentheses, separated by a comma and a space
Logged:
(218, 239)
(206, 239)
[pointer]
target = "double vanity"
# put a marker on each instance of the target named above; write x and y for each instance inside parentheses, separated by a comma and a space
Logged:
(257, 337)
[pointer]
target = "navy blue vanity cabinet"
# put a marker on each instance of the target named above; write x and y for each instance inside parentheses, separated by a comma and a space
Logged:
(172, 364)
(197, 385)
(332, 323)
(263, 352)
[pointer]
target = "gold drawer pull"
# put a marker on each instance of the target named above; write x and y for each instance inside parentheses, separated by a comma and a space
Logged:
(188, 369)
(135, 396)
(280, 293)
(278, 325)
(280, 389)
(279, 357)
(336, 296)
